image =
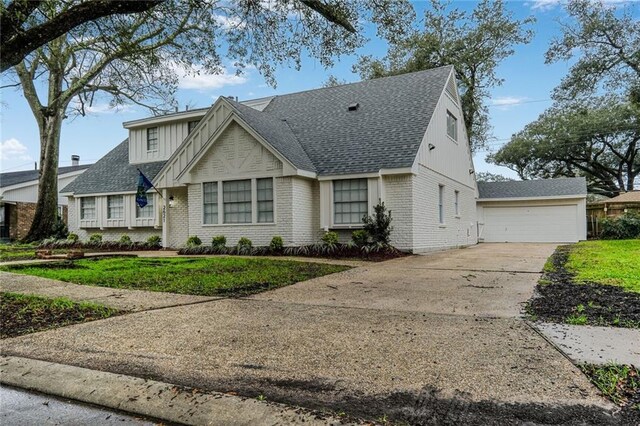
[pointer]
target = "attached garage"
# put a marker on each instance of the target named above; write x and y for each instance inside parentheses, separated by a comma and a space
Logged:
(551, 210)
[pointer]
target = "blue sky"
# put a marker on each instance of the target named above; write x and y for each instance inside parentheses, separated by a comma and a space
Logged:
(523, 96)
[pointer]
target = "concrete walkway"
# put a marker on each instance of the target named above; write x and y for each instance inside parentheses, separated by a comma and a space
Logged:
(418, 338)
(595, 345)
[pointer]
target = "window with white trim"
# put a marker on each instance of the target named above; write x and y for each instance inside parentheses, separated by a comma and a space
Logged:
(210, 203)
(236, 200)
(452, 126)
(88, 208)
(264, 188)
(349, 201)
(441, 203)
(145, 212)
(191, 125)
(152, 139)
(456, 202)
(115, 207)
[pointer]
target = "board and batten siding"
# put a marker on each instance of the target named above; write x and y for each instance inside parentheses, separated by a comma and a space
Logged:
(29, 193)
(101, 221)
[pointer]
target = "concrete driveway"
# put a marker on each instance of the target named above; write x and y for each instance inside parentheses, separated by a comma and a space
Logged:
(488, 280)
(423, 339)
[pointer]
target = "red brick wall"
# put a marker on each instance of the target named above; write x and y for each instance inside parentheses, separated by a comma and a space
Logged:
(24, 213)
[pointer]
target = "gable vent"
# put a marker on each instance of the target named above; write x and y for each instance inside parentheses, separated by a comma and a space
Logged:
(451, 89)
(354, 106)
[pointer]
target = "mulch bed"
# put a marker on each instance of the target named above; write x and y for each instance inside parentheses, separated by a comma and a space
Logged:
(18, 317)
(603, 305)
(627, 392)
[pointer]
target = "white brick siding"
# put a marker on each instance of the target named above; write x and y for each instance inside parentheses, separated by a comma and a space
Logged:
(398, 198)
(177, 218)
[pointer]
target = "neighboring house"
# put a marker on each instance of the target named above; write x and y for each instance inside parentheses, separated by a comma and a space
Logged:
(550, 210)
(19, 195)
(294, 165)
(611, 207)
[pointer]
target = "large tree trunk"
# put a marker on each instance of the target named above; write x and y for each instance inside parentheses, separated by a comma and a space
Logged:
(47, 207)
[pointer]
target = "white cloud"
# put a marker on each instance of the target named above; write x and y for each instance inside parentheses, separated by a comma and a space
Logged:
(507, 102)
(104, 108)
(545, 5)
(229, 22)
(13, 155)
(201, 80)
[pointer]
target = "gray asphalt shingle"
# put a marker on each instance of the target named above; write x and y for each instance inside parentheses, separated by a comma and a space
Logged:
(533, 188)
(113, 173)
(14, 178)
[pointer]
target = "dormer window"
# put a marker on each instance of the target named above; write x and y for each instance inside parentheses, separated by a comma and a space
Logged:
(191, 126)
(152, 139)
(452, 126)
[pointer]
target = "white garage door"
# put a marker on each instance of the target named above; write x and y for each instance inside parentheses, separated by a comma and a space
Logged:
(535, 224)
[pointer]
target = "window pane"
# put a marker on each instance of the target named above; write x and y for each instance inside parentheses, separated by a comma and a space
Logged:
(191, 125)
(146, 211)
(88, 208)
(350, 200)
(440, 204)
(115, 207)
(265, 200)
(152, 138)
(210, 202)
(237, 201)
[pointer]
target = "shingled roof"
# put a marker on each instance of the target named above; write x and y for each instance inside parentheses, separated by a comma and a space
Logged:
(112, 173)
(384, 131)
(15, 178)
(533, 188)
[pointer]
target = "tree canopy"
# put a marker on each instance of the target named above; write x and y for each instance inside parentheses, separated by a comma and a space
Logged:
(598, 138)
(474, 43)
(139, 57)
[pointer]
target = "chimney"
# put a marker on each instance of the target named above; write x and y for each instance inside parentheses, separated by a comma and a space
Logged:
(75, 160)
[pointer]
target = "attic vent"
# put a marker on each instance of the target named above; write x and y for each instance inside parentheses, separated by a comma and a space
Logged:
(354, 106)
(451, 89)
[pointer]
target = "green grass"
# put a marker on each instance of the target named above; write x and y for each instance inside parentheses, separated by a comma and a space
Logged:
(198, 276)
(619, 383)
(22, 314)
(611, 262)
(9, 252)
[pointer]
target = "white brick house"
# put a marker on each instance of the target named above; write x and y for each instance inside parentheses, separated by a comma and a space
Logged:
(296, 166)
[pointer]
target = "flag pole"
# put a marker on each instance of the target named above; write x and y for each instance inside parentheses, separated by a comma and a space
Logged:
(152, 185)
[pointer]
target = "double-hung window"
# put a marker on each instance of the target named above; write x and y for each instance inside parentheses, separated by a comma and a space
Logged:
(349, 201)
(152, 139)
(115, 207)
(210, 203)
(265, 200)
(88, 208)
(145, 212)
(236, 198)
(452, 126)
(441, 203)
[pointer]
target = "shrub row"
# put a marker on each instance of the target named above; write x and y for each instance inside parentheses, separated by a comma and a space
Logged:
(96, 242)
(622, 227)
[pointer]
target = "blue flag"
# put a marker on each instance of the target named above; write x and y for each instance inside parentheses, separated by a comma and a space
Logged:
(143, 186)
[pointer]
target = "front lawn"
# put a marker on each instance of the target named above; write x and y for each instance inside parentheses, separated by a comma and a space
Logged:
(202, 276)
(22, 314)
(9, 252)
(612, 262)
(621, 384)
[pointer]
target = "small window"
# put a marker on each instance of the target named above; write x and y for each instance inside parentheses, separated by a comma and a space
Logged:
(60, 211)
(265, 200)
(349, 201)
(456, 204)
(192, 125)
(210, 203)
(145, 212)
(452, 126)
(237, 201)
(88, 208)
(441, 203)
(115, 207)
(152, 139)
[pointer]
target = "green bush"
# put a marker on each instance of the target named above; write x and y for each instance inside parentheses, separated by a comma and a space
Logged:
(95, 238)
(276, 243)
(60, 230)
(125, 239)
(330, 238)
(219, 241)
(244, 246)
(154, 241)
(73, 237)
(379, 225)
(194, 241)
(360, 237)
(622, 227)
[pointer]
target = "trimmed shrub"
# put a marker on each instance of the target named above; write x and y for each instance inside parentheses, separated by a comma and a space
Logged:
(244, 246)
(219, 242)
(276, 244)
(194, 241)
(72, 237)
(360, 238)
(125, 239)
(154, 241)
(95, 238)
(622, 227)
(60, 230)
(379, 224)
(330, 238)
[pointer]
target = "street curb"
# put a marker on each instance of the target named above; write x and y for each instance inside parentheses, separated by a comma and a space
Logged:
(148, 398)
